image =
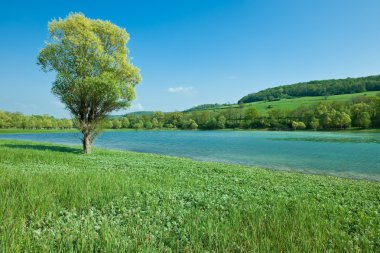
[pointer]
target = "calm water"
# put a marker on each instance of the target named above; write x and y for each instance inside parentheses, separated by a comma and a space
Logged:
(345, 154)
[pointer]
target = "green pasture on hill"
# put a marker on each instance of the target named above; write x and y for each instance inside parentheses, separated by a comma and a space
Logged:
(294, 103)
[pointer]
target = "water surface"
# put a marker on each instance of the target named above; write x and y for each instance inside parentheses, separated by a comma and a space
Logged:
(344, 154)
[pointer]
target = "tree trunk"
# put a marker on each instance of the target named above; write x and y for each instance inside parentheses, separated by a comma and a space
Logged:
(86, 144)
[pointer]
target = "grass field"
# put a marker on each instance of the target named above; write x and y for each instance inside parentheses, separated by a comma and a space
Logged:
(291, 104)
(53, 198)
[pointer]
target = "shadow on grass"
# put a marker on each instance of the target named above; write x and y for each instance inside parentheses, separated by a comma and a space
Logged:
(45, 147)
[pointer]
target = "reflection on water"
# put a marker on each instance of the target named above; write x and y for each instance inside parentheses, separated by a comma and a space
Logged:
(346, 154)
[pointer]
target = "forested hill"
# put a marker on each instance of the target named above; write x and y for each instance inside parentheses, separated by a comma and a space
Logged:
(316, 88)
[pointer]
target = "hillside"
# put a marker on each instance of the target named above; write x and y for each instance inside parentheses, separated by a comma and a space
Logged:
(316, 88)
(139, 113)
(205, 107)
(359, 110)
(288, 104)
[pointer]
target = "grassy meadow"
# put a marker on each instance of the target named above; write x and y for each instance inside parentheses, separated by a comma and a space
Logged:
(53, 198)
(294, 103)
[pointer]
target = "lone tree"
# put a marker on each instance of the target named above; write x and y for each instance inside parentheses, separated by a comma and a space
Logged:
(94, 75)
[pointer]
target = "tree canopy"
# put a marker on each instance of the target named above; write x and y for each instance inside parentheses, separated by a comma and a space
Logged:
(94, 75)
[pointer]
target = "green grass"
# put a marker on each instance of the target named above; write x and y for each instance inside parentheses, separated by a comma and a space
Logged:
(53, 198)
(291, 104)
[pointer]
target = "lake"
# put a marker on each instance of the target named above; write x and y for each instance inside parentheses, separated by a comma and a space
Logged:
(344, 154)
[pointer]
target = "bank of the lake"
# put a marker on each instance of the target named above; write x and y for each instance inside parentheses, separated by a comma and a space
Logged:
(344, 154)
(73, 130)
(53, 198)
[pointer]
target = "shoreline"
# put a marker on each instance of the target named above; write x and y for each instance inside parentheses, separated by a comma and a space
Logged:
(341, 175)
(73, 130)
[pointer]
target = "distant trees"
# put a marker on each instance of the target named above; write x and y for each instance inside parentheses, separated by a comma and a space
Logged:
(116, 124)
(125, 122)
(298, 125)
(18, 120)
(316, 88)
(5, 120)
(251, 116)
(361, 112)
(314, 123)
(192, 124)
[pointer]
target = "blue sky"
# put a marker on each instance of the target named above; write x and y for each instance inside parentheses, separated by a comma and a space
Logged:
(192, 52)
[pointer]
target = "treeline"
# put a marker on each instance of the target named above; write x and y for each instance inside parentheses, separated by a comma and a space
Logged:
(316, 88)
(18, 120)
(362, 112)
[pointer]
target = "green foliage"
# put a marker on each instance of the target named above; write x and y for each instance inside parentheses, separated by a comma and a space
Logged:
(148, 125)
(138, 125)
(94, 75)
(314, 123)
(193, 125)
(361, 114)
(298, 125)
(221, 122)
(53, 199)
(116, 124)
(20, 121)
(364, 120)
(125, 122)
(358, 112)
(323, 88)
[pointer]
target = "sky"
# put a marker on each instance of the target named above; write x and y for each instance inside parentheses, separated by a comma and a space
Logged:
(193, 52)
